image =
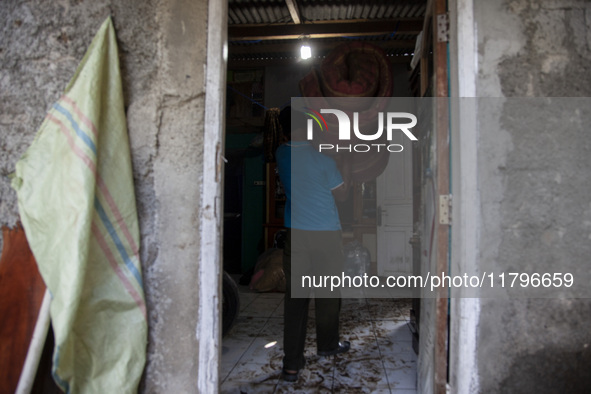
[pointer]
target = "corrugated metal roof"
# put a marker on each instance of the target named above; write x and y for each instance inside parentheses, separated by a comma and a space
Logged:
(272, 12)
(315, 10)
(276, 11)
(257, 12)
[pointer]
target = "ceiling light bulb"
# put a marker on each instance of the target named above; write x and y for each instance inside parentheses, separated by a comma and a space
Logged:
(305, 52)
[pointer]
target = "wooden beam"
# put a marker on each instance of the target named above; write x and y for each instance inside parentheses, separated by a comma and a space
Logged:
(292, 6)
(323, 30)
(316, 46)
(258, 63)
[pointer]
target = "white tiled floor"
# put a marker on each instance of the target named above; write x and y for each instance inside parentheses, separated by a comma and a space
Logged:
(381, 359)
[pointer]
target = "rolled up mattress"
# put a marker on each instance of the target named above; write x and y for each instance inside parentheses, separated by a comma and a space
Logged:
(353, 70)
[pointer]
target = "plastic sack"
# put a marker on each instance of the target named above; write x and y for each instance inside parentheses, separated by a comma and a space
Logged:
(268, 272)
(77, 204)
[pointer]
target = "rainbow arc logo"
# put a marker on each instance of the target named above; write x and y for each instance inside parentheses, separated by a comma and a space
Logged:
(386, 122)
(317, 117)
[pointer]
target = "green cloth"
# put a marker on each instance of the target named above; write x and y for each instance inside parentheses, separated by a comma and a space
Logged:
(77, 204)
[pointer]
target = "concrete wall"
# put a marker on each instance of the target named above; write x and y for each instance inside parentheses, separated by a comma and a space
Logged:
(534, 194)
(162, 50)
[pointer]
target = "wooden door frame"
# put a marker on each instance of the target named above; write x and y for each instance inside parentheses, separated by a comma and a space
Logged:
(210, 264)
(464, 312)
(434, 83)
(208, 330)
(437, 8)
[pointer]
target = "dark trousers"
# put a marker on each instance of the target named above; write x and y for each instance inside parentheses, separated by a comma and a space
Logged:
(316, 253)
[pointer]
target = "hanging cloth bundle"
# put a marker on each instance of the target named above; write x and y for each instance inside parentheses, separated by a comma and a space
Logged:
(273, 134)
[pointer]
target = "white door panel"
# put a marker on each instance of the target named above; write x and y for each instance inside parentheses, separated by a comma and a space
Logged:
(396, 257)
(395, 183)
(396, 215)
(394, 201)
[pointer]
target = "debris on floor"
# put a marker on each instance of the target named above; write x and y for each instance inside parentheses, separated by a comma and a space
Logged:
(381, 359)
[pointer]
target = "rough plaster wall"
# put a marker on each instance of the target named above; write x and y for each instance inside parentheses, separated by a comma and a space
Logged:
(177, 170)
(162, 54)
(535, 203)
(37, 58)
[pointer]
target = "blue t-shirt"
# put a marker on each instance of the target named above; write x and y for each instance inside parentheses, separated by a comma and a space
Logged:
(308, 177)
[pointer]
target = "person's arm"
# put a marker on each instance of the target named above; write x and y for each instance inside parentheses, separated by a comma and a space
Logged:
(341, 192)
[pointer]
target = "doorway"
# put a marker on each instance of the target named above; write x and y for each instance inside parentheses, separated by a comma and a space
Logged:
(257, 43)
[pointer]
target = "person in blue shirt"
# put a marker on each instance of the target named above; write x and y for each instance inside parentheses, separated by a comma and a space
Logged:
(311, 181)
